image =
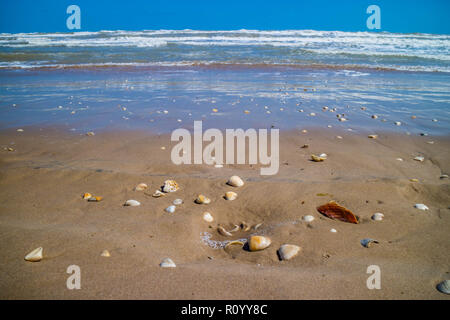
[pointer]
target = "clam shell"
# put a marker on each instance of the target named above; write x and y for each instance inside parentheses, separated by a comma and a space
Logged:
(373, 136)
(87, 195)
(105, 253)
(158, 194)
(223, 232)
(308, 218)
(367, 242)
(132, 203)
(419, 158)
(256, 227)
(230, 195)
(167, 263)
(420, 206)
(317, 158)
(35, 255)
(256, 243)
(444, 286)
(333, 230)
(337, 212)
(201, 199)
(378, 216)
(235, 242)
(235, 181)
(95, 199)
(170, 209)
(140, 187)
(170, 186)
(245, 226)
(288, 251)
(208, 217)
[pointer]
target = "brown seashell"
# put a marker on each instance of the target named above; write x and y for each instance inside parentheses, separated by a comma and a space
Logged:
(337, 212)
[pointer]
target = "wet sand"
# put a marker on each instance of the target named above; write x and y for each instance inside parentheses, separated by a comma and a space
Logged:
(42, 181)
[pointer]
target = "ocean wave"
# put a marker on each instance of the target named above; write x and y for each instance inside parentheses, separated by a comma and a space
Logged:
(406, 52)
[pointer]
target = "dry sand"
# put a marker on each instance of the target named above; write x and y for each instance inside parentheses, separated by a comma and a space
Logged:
(42, 181)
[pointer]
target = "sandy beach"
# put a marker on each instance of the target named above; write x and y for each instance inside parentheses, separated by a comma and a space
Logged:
(43, 179)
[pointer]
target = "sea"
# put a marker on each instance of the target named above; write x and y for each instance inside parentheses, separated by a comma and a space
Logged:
(165, 79)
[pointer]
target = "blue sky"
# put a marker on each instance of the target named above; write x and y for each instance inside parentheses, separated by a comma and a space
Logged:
(426, 16)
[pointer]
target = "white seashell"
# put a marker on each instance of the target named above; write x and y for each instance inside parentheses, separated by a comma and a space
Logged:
(288, 251)
(218, 166)
(333, 230)
(374, 116)
(201, 199)
(377, 216)
(342, 119)
(399, 159)
(398, 123)
(208, 217)
(367, 242)
(256, 243)
(170, 209)
(223, 232)
(256, 227)
(230, 195)
(132, 203)
(444, 287)
(323, 155)
(35, 255)
(419, 158)
(170, 186)
(141, 187)
(167, 263)
(373, 136)
(19, 130)
(158, 194)
(105, 253)
(420, 206)
(235, 181)
(444, 176)
(308, 218)
(177, 202)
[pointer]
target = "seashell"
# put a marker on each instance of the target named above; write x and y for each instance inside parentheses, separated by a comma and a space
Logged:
(201, 199)
(414, 180)
(19, 130)
(230, 195)
(342, 119)
(413, 117)
(235, 242)
(420, 206)
(317, 158)
(170, 209)
(132, 203)
(418, 158)
(208, 217)
(170, 186)
(105, 253)
(223, 232)
(140, 187)
(256, 227)
(95, 199)
(444, 176)
(288, 251)
(373, 136)
(87, 196)
(312, 114)
(215, 110)
(246, 111)
(9, 149)
(305, 146)
(399, 159)
(177, 202)
(308, 218)
(378, 216)
(158, 194)
(304, 131)
(398, 123)
(444, 286)
(235, 181)
(339, 137)
(333, 230)
(90, 134)
(367, 242)
(167, 263)
(245, 226)
(236, 228)
(374, 116)
(35, 255)
(335, 211)
(256, 243)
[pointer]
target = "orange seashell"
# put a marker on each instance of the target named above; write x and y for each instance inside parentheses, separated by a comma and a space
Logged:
(337, 212)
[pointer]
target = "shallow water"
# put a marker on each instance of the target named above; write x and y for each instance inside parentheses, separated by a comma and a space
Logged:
(165, 98)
